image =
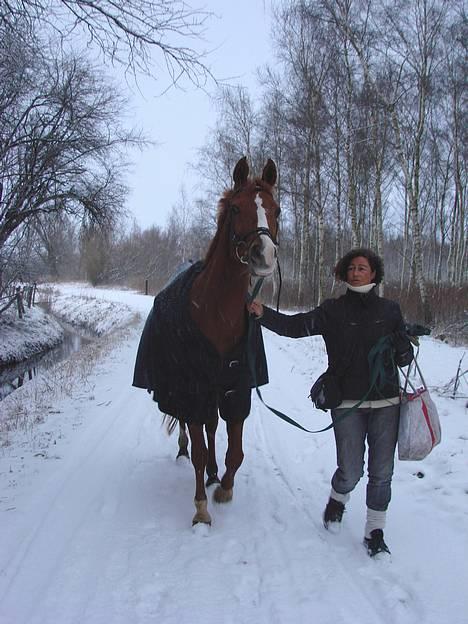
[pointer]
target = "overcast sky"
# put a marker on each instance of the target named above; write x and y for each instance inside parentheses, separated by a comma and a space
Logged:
(179, 120)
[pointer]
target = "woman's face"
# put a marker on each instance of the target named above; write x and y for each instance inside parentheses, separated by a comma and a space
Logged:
(359, 272)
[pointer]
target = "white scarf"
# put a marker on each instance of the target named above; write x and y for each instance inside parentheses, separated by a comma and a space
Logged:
(361, 289)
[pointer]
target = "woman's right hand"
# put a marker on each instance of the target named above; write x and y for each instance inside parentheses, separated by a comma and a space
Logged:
(255, 308)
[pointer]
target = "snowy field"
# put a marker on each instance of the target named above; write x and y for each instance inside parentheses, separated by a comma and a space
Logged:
(95, 512)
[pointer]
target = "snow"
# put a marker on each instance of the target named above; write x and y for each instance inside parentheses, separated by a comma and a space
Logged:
(23, 338)
(96, 513)
(76, 304)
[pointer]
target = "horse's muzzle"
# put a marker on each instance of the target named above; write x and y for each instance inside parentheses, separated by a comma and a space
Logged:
(262, 257)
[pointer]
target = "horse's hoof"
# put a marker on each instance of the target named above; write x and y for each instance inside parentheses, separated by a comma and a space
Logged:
(221, 495)
(202, 516)
(200, 522)
(183, 453)
(212, 479)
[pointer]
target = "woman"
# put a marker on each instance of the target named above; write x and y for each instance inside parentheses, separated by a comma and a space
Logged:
(351, 325)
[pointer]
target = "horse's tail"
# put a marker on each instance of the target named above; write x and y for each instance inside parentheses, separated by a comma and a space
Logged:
(170, 422)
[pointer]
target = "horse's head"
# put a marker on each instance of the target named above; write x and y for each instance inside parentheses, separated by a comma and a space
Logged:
(253, 216)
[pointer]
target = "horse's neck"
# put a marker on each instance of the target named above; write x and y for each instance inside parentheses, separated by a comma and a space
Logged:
(218, 303)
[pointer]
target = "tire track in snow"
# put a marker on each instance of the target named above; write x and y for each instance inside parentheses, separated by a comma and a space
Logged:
(71, 500)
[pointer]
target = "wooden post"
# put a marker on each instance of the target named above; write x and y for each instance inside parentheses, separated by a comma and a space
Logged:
(146, 287)
(19, 302)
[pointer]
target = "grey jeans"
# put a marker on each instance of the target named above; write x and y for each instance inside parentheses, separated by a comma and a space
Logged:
(380, 427)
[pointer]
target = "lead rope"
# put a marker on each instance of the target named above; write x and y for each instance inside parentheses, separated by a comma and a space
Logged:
(375, 359)
(280, 284)
(251, 360)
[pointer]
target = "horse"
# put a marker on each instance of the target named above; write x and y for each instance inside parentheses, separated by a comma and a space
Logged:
(193, 350)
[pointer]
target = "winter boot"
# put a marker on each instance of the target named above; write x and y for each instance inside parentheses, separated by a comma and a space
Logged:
(333, 514)
(375, 543)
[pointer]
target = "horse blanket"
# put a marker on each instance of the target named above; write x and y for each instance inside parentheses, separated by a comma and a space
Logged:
(179, 364)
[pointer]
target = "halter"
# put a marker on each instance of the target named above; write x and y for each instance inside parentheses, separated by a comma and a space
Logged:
(243, 241)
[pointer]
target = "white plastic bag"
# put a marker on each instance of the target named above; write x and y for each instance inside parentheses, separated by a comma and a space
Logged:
(419, 429)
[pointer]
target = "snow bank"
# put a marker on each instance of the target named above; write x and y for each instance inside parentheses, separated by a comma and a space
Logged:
(83, 307)
(38, 331)
(23, 338)
(96, 315)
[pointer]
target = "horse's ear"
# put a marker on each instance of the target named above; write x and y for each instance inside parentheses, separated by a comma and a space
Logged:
(241, 173)
(269, 174)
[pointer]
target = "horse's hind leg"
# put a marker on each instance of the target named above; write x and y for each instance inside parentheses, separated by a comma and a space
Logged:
(211, 466)
(183, 441)
(234, 458)
(199, 458)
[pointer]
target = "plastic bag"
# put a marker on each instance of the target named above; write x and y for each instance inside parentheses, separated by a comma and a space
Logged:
(419, 429)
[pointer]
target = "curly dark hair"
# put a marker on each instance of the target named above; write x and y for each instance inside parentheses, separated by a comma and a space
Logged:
(375, 262)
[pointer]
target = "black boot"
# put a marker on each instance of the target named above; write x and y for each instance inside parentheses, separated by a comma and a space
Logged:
(333, 513)
(375, 543)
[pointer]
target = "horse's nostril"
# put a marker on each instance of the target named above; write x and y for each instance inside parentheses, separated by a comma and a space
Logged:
(256, 250)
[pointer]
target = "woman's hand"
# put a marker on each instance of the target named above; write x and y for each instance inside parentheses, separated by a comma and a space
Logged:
(255, 308)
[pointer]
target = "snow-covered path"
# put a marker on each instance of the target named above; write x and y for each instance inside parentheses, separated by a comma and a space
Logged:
(95, 523)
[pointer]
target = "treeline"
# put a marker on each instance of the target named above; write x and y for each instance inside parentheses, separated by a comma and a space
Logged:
(364, 110)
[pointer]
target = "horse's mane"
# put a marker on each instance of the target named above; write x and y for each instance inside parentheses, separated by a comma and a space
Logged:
(222, 217)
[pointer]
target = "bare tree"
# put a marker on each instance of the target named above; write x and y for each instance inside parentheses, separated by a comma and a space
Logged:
(408, 43)
(60, 148)
(418, 44)
(234, 133)
(304, 46)
(125, 32)
(455, 82)
(56, 245)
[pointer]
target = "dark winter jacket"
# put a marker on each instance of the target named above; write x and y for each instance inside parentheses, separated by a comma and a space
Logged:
(351, 325)
(180, 365)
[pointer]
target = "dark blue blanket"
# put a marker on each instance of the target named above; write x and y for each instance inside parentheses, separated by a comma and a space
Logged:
(181, 367)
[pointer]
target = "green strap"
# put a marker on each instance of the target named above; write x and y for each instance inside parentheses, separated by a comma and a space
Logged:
(376, 364)
(251, 296)
(251, 360)
(378, 377)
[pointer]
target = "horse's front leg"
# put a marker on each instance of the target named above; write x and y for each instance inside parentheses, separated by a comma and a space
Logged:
(199, 458)
(212, 466)
(234, 458)
(183, 441)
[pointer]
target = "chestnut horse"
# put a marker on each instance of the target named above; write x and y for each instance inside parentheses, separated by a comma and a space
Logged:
(242, 251)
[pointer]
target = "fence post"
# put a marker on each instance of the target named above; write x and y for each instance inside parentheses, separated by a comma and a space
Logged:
(146, 287)
(19, 302)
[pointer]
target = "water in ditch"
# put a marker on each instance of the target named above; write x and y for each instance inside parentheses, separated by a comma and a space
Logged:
(14, 376)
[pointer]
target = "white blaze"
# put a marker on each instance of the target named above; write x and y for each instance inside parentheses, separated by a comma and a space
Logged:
(268, 248)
